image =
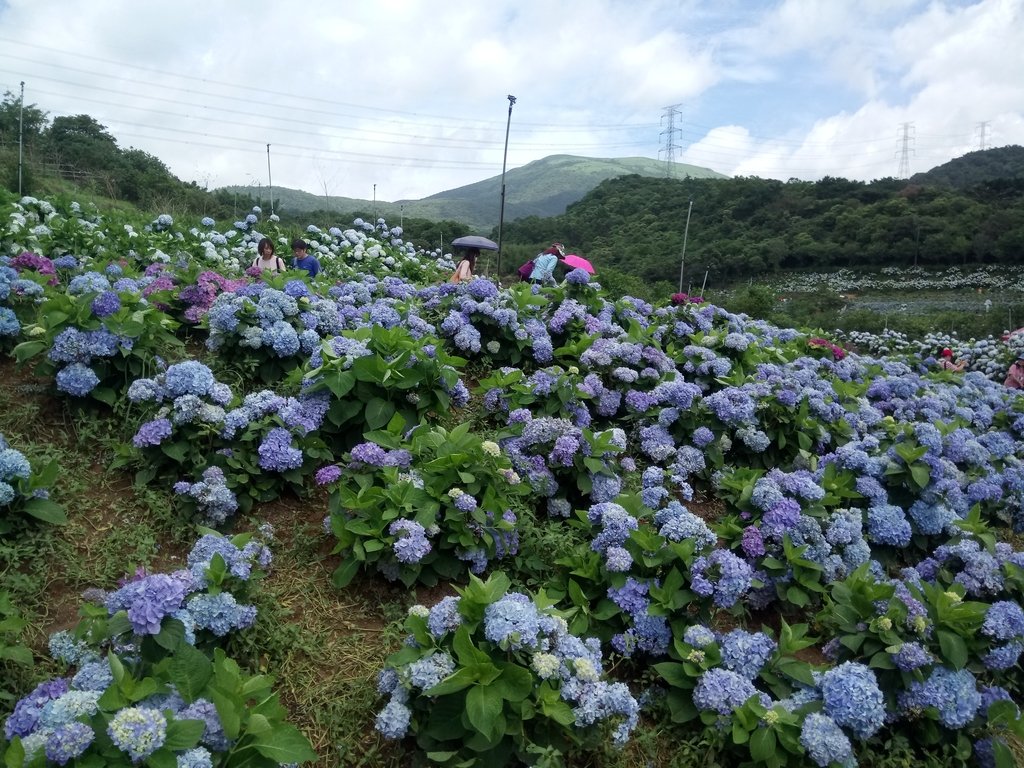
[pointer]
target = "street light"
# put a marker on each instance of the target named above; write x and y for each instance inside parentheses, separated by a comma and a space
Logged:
(270, 182)
(686, 232)
(21, 132)
(504, 162)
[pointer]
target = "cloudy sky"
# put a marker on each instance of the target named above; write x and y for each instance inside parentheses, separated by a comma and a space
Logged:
(400, 99)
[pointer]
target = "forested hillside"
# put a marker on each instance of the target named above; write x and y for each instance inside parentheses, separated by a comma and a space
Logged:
(747, 226)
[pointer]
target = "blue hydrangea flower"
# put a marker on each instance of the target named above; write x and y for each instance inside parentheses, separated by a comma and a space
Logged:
(745, 652)
(722, 691)
(68, 741)
(853, 699)
(77, 379)
(512, 622)
(393, 721)
(220, 613)
(444, 617)
(825, 742)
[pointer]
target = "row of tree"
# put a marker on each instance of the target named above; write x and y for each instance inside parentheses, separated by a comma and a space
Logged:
(746, 226)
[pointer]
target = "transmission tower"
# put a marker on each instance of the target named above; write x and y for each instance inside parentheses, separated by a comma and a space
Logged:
(983, 129)
(904, 152)
(670, 134)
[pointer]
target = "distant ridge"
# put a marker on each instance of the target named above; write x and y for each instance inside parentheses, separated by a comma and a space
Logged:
(976, 168)
(541, 188)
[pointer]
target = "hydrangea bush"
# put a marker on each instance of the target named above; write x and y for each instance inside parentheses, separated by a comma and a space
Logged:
(421, 507)
(24, 490)
(492, 674)
(147, 679)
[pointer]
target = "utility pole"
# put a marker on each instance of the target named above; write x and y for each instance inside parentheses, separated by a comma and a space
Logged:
(504, 162)
(904, 152)
(670, 134)
(401, 216)
(982, 131)
(686, 233)
(21, 134)
(270, 182)
(374, 206)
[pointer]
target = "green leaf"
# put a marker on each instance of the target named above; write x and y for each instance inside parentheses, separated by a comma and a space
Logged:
(227, 710)
(285, 744)
(16, 654)
(105, 395)
(516, 682)
(345, 572)
(954, 649)
(378, 413)
(762, 744)
(14, 757)
(171, 635)
(462, 678)
(921, 474)
(46, 510)
(190, 671)
(483, 706)
(183, 734)
(176, 451)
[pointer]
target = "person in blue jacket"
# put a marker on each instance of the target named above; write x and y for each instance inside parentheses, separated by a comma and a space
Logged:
(302, 260)
(544, 264)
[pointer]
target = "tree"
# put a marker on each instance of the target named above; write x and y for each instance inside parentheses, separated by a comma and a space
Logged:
(31, 123)
(82, 143)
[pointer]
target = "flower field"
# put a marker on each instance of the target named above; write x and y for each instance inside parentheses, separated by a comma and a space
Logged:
(562, 529)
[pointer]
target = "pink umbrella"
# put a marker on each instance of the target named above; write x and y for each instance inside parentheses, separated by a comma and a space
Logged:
(578, 262)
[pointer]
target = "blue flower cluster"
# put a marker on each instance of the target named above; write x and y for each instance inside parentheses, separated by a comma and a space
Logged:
(215, 501)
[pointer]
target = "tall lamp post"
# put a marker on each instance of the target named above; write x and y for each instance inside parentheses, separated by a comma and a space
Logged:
(504, 162)
(270, 182)
(21, 132)
(686, 233)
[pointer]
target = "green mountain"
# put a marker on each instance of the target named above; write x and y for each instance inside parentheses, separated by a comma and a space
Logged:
(987, 165)
(542, 188)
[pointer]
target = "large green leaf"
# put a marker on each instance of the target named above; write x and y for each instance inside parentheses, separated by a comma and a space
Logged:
(483, 706)
(190, 671)
(46, 510)
(285, 744)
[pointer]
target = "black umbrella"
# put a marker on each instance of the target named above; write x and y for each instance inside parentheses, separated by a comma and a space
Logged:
(474, 241)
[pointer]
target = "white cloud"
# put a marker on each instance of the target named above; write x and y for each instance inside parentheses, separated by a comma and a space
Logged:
(410, 94)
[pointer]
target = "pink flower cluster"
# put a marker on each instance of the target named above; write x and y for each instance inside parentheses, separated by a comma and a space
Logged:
(682, 298)
(838, 353)
(31, 261)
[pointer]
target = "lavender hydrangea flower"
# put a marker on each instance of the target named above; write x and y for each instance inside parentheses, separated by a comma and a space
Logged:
(411, 543)
(68, 741)
(722, 576)
(277, 453)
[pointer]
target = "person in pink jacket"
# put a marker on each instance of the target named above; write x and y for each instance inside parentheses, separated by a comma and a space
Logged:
(1015, 376)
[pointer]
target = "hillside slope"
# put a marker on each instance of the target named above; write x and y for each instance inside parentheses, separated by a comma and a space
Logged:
(541, 188)
(976, 168)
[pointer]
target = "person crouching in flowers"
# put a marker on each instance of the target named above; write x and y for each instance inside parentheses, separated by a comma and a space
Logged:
(544, 264)
(1015, 376)
(947, 363)
(266, 261)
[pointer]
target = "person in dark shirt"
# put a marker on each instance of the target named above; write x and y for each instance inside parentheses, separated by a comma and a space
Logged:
(302, 260)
